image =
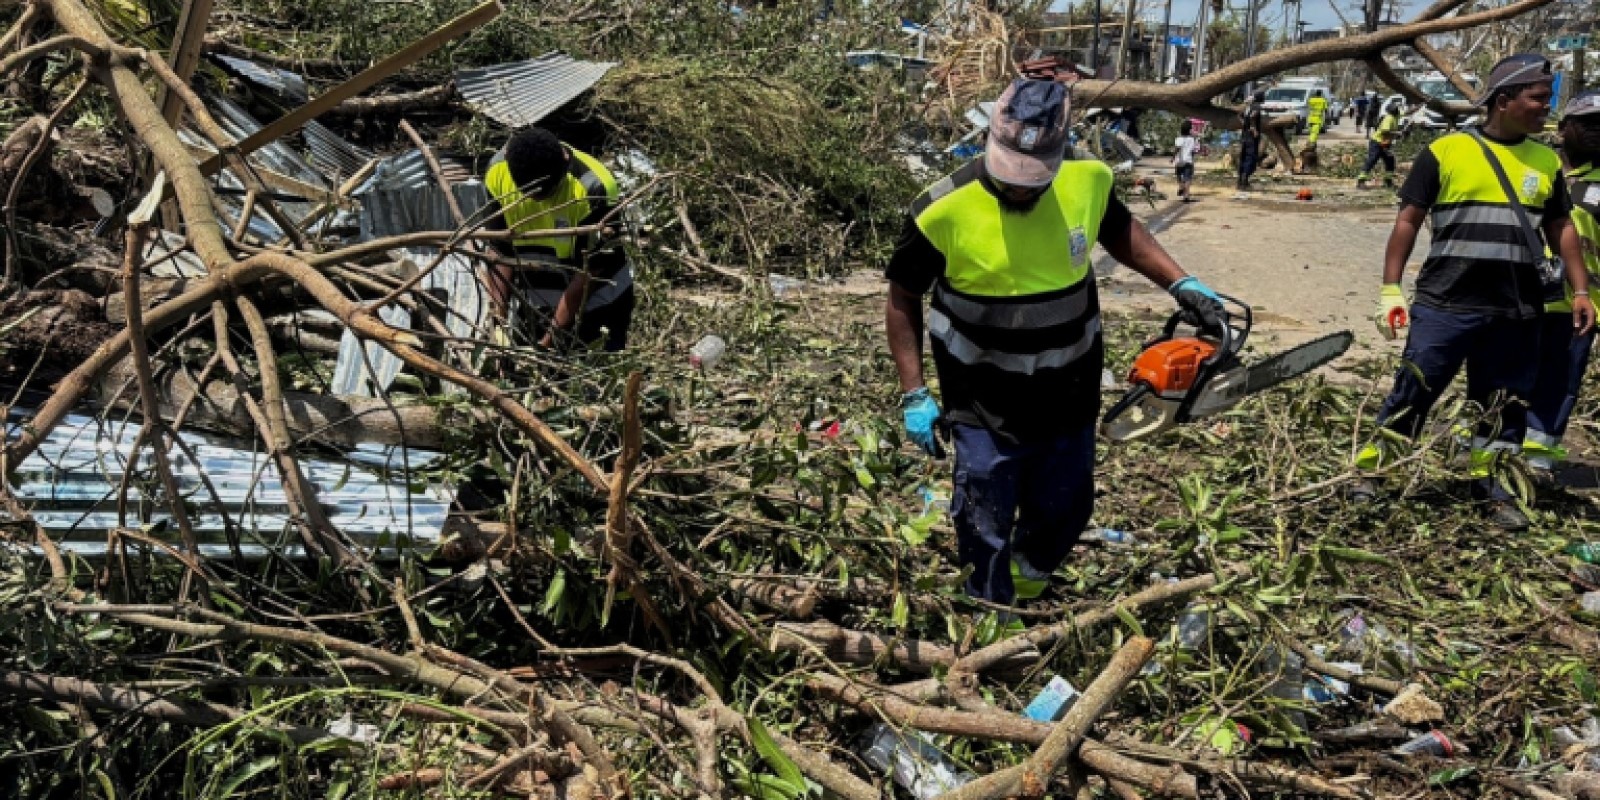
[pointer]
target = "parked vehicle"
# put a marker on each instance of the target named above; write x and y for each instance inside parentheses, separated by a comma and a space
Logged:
(1291, 96)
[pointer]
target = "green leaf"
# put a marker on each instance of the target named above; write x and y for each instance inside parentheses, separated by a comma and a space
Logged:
(249, 771)
(900, 613)
(1446, 776)
(1130, 620)
(912, 536)
(1356, 555)
(1584, 681)
(552, 595)
(775, 757)
(106, 785)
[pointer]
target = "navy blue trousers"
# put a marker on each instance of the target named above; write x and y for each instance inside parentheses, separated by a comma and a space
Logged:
(1563, 358)
(1375, 153)
(1497, 354)
(1033, 498)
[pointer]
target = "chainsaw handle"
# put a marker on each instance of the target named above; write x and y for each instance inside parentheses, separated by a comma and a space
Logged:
(1230, 345)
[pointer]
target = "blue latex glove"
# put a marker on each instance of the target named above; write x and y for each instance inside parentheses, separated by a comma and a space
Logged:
(1200, 305)
(921, 412)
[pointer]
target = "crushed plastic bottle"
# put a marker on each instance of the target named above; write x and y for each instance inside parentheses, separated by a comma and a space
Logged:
(913, 762)
(1588, 736)
(707, 352)
(933, 501)
(1590, 602)
(1432, 743)
(1052, 702)
(1359, 634)
(1194, 627)
(1109, 536)
(1287, 671)
(783, 285)
(1587, 552)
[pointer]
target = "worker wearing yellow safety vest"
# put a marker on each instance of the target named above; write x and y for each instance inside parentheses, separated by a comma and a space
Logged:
(581, 284)
(1563, 356)
(1481, 291)
(1380, 145)
(1005, 246)
(1317, 116)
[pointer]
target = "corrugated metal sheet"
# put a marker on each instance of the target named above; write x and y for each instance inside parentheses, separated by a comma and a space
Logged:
(286, 85)
(402, 196)
(454, 281)
(524, 92)
(332, 153)
(70, 485)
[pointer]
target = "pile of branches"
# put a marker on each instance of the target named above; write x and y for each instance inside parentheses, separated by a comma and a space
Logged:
(703, 582)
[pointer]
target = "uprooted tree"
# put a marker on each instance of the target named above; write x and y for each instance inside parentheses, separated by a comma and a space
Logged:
(701, 618)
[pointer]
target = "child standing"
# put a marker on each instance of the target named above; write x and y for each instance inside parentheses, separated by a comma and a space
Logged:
(1183, 158)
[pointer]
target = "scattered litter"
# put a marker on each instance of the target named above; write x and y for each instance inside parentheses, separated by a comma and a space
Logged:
(707, 352)
(346, 727)
(1109, 536)
(1590, 602)
(1413, 707)
(1432, 743)
(913, 761)
(1587, 552)
(1052, 702)
(1193, 627)
(1587, 738)
(783, 285)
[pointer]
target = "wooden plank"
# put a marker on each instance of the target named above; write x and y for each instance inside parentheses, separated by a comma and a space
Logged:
(407, 56)
(185, 54)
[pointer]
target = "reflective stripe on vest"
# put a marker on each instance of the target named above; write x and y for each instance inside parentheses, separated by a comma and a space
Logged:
(1019, 280)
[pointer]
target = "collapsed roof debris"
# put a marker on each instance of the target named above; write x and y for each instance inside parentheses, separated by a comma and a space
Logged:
(523, 92)
(71, 483)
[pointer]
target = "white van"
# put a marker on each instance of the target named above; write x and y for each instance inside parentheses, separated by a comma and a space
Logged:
(1290, 96)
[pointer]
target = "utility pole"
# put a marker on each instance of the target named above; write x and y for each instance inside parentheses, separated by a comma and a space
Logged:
(1197, 68)
(1094, 42)
(1249, 39)
(1166, 43)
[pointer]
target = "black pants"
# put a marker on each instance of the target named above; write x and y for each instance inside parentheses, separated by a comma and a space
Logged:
(1376, 152)
(1249, 156)
(609, 323)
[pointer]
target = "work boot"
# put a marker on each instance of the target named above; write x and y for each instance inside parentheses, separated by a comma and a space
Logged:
(1505, 515)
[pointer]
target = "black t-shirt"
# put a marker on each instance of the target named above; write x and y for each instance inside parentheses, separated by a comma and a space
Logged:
(1457, 284)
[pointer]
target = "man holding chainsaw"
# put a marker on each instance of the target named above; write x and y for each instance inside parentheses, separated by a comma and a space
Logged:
(1005, 245)
(1482, 289)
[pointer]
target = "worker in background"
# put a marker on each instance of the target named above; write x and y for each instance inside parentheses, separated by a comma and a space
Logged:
(1380, 146)
(1250, 139)
(1005, 244)
(1563, 356)
(1479, 296)
(1374, 109)
(1317, 115)
(1183, 159)
(578, 286)
(1360, 106)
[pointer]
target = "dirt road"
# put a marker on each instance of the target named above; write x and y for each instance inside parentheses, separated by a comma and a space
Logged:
(1307, 268)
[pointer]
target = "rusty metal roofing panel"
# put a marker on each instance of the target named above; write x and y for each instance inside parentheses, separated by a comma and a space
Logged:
(524, 92)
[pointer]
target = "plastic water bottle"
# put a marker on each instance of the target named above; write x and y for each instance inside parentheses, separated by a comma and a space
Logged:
(1589, 736)
(707, 352)
(1194, 627)
(913, 762)
(1432, 743)
(1287, 671)
(1109, 536)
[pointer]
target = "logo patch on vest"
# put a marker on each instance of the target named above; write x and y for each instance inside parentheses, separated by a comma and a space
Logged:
(1530, 185)
(1079, 242)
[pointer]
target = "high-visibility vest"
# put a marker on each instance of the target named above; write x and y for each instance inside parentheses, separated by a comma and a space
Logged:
(586, 188)
(1478, 248)
(1319, 107)
(1583, 184)
(1017, 304)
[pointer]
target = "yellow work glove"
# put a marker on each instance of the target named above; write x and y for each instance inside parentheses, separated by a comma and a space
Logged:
(1393, 314)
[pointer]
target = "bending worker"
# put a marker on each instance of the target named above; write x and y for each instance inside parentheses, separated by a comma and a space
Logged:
(1317, 115)
(1563, 356)
(1480, 295)
(1005, 246)
(579, 285)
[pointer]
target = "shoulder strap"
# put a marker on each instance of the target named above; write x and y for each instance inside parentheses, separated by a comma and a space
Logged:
(1530, 237)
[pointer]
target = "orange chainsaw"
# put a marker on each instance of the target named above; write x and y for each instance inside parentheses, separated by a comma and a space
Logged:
(1178, 379)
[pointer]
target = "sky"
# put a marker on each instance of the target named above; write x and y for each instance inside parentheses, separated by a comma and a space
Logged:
(1317, 13)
